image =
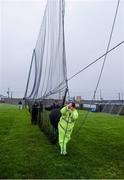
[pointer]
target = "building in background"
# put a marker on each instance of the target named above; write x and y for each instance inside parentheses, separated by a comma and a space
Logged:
(78, 99)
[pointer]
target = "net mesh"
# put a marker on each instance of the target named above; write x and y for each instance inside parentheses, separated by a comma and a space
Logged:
(48, 74)
(47, 80)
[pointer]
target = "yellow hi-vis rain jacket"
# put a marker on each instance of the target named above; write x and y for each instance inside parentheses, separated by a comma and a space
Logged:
(65, 127)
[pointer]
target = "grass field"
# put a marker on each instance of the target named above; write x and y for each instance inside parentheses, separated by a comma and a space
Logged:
(95, 152)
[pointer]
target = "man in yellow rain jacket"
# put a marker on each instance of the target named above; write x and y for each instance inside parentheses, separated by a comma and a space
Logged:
(66, 124)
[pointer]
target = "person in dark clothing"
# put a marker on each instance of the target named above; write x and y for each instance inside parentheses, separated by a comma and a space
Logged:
(100, 108)
(40, 113)
(54, 116)
(55, 106)
(20, 105)
(34, 113)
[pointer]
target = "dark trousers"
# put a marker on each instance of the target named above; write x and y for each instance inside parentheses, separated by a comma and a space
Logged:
(34, 119)
(55, 135)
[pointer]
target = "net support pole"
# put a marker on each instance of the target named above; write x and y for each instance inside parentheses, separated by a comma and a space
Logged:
(63, 102)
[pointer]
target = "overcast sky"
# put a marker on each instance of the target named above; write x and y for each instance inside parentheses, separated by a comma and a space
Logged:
(87, 29)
